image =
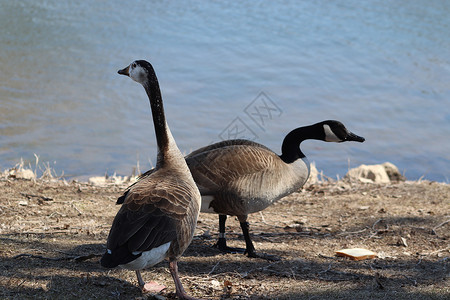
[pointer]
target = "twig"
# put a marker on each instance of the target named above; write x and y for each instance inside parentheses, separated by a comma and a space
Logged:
(434, 252)
(329, 268)
(29, 196)
(443, 259)
(262, 217)
(324, 256)
(86, 257)
(215, 266)
(41, 257)
(54, 214)
(376, 222)
(77, 258)
(81, 257)
(293, 273)
(378, 281)
(268, 224)
(20, 284)
(275, 234)
(29, 232)
(433, 231)
(414, 282)
(79, 212)
(352, 232)
(372, 235)
(62, 252)
(336, 272)
(245, 274)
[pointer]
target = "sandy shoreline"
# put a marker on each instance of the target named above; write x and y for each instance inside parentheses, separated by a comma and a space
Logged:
(51, 232)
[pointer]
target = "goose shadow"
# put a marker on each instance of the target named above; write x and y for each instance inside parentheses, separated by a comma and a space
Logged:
(202, 260)
(51, 279)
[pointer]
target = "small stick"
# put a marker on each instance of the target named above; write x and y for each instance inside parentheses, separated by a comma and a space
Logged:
(378, 282)
(86, 257)
(329, 268)
(36, 196)
(215, 266)
(376, 222)
(353, 232)
(434, 252)
(433, 231)
(79, 212)
(76, 258)
(21, 283)
(262, 217)
(414, 282)
(245, 274)
(324, 256)
(40, 257)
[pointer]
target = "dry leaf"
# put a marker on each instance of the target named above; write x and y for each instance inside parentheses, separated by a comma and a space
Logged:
(227, 287)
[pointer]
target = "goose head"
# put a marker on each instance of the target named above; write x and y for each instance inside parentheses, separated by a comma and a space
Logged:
(335, 131)
(328, 131)
(140, 71)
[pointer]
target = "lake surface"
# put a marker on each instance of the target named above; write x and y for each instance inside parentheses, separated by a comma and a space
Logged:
(227, 69)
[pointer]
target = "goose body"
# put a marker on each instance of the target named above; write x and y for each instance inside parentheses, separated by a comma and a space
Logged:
(239, 177)
(159, 213)
(246, 177)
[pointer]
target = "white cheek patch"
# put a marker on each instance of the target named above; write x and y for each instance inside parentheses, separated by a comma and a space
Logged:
(138, 74)
(329, 134)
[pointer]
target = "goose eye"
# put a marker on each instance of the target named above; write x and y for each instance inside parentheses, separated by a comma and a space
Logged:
(133, 65)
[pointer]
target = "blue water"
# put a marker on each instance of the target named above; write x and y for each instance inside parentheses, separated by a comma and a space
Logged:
(380, 67)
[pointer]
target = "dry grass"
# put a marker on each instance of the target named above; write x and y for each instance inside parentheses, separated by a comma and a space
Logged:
(59, 227)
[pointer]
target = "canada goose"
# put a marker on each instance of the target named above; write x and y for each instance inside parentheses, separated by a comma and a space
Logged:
(159, 213)
(239, 177)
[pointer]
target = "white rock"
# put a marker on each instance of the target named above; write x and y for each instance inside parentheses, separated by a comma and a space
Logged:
(369, 174)
(97, 180)
(21, 173)
(393, 172)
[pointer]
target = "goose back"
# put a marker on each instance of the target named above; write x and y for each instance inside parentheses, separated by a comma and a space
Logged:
(157, 210)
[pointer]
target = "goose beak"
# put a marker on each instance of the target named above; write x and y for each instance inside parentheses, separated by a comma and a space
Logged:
(353, 137)
(124, 71)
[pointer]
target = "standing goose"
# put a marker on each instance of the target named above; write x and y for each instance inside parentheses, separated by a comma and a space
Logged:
(159, 213)
(239, 177)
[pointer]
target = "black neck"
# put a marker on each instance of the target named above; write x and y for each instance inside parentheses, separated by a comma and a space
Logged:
(159, 119)
(290, 150)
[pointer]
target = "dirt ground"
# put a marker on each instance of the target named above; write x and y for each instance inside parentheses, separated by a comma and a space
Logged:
(52, 233)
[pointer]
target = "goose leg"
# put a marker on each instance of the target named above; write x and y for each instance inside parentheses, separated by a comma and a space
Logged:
(181, 293)
(149, 287)
(250, 249)
(222, 241)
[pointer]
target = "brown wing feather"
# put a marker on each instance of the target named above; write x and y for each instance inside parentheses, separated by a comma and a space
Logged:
(149, 216)
(226, 143)
(215, 168)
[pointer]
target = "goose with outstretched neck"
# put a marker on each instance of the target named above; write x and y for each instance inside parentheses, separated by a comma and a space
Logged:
(240, 177)
(159, 213)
